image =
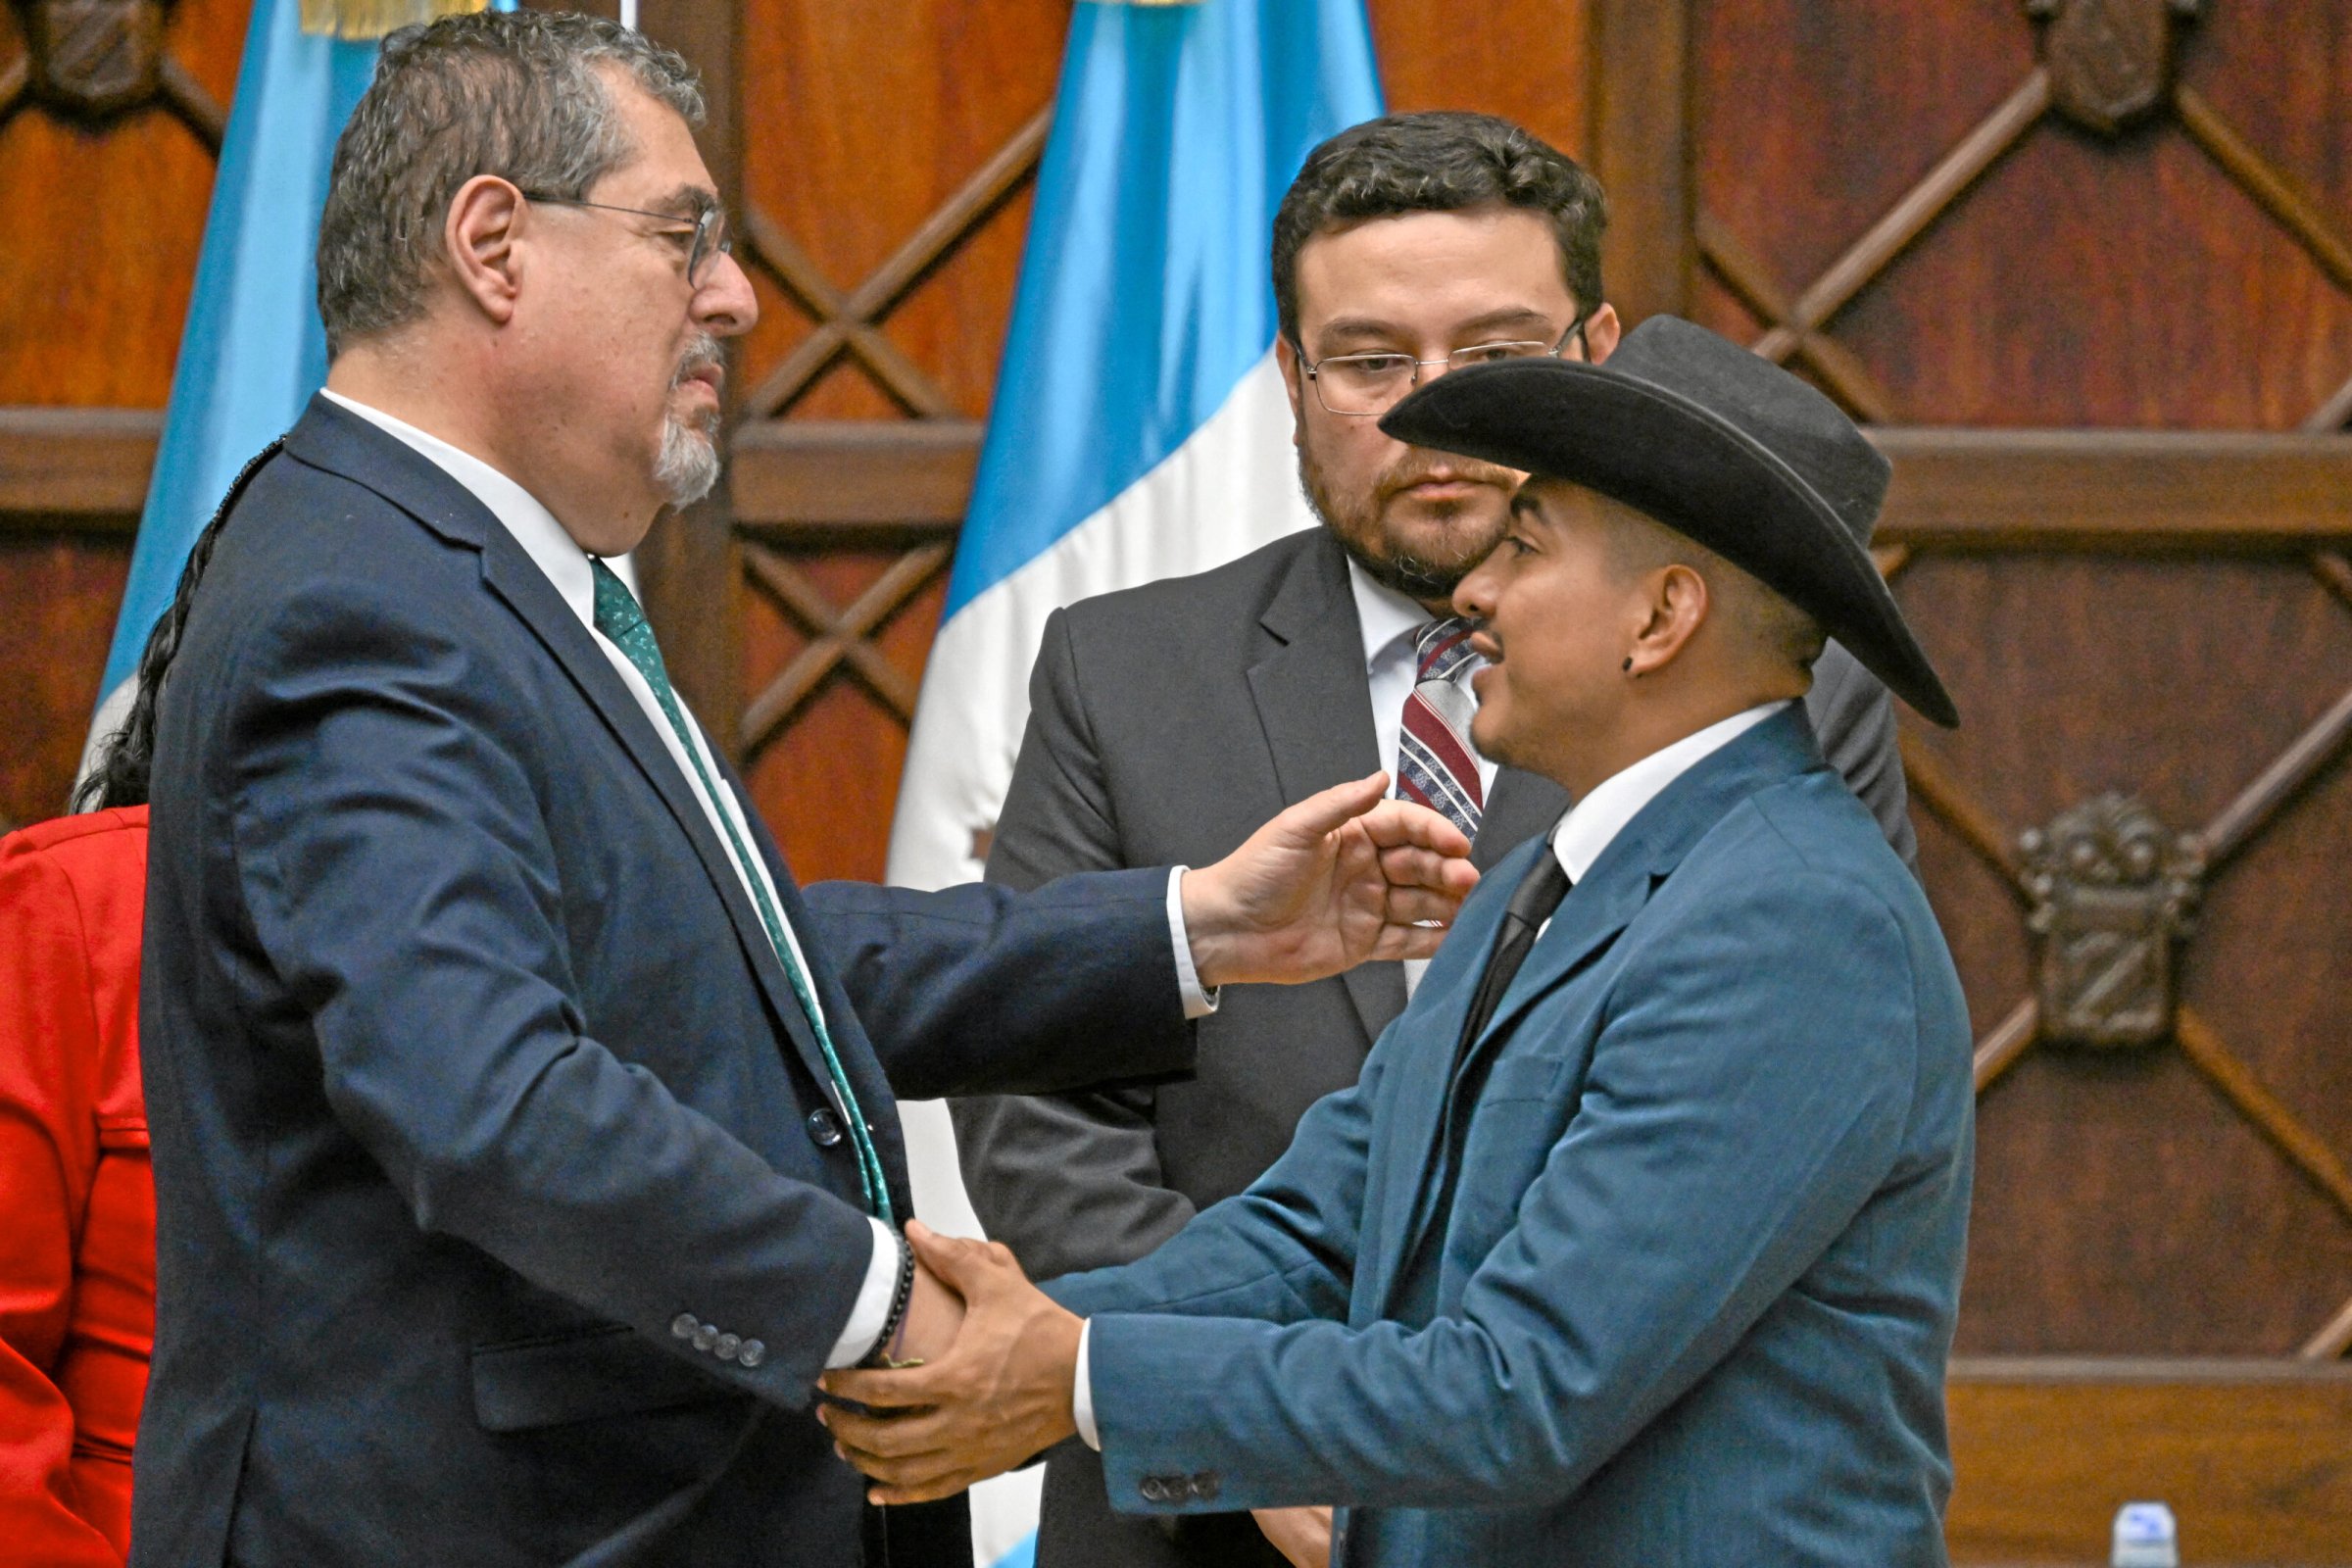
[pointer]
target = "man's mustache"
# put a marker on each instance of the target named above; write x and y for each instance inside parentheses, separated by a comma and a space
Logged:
(702, 353)
(1420, 468)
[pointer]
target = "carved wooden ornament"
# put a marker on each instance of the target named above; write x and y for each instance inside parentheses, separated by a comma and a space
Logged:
(2110, 60)
(94, 58)
(2113, 892)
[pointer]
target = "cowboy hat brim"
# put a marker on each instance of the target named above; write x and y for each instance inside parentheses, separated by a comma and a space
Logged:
(1674, 459)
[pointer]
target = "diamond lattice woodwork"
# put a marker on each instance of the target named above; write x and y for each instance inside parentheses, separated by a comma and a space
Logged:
(1797, 322)
(2265, 797)
(849, 326)
(2105, 71)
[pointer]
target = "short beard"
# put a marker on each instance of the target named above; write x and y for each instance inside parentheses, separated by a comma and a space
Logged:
(1355, 522)
(687, 466)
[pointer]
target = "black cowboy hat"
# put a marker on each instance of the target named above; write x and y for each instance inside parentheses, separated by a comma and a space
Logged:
(1719, 445)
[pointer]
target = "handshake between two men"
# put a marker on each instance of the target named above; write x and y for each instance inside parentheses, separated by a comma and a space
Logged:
(980, 1375)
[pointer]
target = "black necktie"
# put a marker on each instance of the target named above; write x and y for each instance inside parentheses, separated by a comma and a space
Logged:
(1538, 895)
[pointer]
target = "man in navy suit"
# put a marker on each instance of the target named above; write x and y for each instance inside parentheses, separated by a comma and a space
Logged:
(524, 1140)
(1639, 1241)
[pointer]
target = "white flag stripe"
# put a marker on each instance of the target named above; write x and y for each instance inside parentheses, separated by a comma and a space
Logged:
(1231, 488)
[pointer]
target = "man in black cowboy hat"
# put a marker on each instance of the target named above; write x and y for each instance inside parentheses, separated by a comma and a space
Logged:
(1638, 1243)
(1165, 718)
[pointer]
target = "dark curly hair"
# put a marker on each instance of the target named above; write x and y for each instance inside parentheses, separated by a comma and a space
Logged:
(1441, 161)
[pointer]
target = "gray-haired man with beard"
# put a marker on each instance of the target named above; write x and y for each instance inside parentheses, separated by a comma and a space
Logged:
(523, 1138)
(1168, 720)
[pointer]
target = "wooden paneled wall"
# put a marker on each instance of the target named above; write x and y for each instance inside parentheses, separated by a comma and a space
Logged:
(102, 222)
(1895, 201)
(2051, 274)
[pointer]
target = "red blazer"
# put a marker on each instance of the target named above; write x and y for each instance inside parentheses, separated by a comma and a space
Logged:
(76, 1200)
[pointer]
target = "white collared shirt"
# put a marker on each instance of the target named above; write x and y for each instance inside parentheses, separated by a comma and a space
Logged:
(566, 566)
(1579, 838)
(1594, 821)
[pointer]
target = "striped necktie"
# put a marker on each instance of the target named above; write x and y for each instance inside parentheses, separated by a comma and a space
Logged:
(620, 619)
(1434, 765)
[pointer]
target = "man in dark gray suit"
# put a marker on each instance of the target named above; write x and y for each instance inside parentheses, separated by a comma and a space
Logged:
(1168, 720)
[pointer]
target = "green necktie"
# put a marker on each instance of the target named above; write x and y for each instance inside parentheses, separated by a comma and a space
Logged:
(620, 619)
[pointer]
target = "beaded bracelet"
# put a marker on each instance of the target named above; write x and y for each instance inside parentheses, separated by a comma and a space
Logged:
(895, 1322)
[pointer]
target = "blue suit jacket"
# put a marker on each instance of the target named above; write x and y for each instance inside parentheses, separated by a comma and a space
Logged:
(1692, 1300)
(470, 1070)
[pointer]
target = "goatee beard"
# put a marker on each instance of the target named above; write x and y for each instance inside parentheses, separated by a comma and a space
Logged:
(1421, 582)
(1356, 528)
(687, 467)
(688, 464)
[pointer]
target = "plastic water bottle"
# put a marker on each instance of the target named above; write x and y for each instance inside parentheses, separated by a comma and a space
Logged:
(2146, 1537)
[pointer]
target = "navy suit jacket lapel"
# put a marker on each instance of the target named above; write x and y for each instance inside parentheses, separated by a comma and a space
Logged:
(1612, 892)
(334, 438)
(868, 1079)
(1311, 704)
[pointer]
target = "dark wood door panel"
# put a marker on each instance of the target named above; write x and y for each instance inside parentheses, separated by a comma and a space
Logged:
(839, 634)
(2109, 628)
(104, 218)
(860, 125)
(58, 591)
(1911, 206)
(1962, 215)
(2124, 1204)
(2175, 679)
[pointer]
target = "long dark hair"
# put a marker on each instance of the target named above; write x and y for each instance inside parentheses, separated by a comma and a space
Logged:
(127, 756)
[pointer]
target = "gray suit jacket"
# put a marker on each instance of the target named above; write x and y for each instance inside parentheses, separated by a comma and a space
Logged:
(1167, 722)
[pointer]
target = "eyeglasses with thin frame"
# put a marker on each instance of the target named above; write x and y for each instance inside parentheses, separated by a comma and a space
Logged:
(1363, 386)
(709, 225)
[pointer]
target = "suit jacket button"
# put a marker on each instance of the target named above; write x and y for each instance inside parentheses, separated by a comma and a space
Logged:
(825, 1127)
(1154, 1489)
(727, 1345)
(683, 1326)
(1204, 1485)
(705, 1337)
(752, 1354)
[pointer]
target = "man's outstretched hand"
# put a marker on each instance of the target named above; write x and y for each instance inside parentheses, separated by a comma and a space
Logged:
(1000, 1394)
(1341, 877)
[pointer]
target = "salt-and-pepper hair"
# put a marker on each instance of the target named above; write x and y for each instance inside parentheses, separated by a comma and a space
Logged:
(519, 94)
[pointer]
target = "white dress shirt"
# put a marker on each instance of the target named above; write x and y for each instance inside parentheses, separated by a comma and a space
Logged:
(1388, 621)
(1578, 838)
(566, 566)
(1594, 821)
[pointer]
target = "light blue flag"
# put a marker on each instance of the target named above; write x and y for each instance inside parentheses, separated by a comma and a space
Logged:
(1145, 295)
(254, 350)
(1141, 428)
